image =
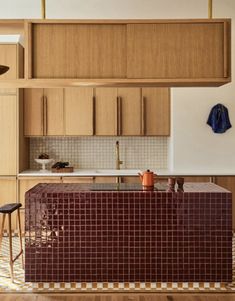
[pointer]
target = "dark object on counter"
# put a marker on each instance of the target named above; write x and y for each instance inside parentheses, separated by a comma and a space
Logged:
(171, 184)
(43, 156)
(60, 165)
(219, 119)
(9, 209)
(65, 169)
(180, 183)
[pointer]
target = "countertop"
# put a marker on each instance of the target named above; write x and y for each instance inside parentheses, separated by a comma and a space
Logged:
(66, 188)
(121, 173)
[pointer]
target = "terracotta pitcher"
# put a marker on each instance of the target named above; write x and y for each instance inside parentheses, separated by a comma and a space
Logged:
(147, 178)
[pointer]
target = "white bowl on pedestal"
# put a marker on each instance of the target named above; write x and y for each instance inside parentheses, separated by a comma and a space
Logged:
(43, 162)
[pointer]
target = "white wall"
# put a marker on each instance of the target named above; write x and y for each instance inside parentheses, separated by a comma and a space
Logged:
(193, 146)
(99, 9)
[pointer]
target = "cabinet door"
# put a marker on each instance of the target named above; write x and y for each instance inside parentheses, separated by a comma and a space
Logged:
(79, 111)
(8, 57)
(228, 183)
(8, 194)
(53, 112)
(176, 50)
(197, 179)
(133, 179)
(9, 137)
(79, 50)
(129, 111)
(77, 180)
(33, 112)
(106, 179)
(106, 111)
(156, 111)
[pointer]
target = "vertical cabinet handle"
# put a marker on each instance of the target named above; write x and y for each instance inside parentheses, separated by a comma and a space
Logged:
(120, 116)
(45, 114)
(93, 116)
(117, 116)
(42, 115)
(143, 115)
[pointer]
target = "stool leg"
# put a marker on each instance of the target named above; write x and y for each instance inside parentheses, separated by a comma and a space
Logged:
(20, 235)
(2, 229)
(10, 247)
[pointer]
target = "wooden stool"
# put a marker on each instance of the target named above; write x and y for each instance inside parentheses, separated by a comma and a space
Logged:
(9, 209)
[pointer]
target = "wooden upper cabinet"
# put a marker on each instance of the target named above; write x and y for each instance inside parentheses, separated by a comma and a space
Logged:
(43, 112)
(156, 111)
(9, 137)
(195, 50)
(129, 111)
(53, 112)
(79, 112)
(78, 51)
(11, 55)
(106, 112)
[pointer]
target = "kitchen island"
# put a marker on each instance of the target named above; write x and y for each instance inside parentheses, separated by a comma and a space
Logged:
(121, 233)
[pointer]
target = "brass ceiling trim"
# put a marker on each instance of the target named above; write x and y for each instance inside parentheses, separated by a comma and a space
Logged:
(43, 9)
(210, 8)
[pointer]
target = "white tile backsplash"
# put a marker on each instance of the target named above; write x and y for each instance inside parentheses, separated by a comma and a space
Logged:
(99, 152)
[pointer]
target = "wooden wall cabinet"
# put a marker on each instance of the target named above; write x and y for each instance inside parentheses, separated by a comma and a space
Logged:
(171, 50)
(132, 111)
(79, 111)
(169, 53)
(106, 112)
(78, 50)
(14, 147)
(11, 55)
(44, 112)
(100, 112)
(156, 111)
(118, 111)
(129, 112)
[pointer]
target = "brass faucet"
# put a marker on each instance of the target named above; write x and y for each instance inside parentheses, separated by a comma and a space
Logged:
(118, 161)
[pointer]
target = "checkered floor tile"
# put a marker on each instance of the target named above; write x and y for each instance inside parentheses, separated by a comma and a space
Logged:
(19, 285)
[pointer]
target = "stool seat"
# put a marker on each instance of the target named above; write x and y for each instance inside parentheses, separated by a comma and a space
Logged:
(9, 208)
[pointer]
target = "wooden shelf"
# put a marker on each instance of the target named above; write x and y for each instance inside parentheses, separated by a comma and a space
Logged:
(58, 83)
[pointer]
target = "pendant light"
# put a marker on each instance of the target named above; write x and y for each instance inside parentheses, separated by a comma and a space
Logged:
(3, 69)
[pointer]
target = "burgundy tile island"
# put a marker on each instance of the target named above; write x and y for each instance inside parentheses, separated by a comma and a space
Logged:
(120, 233)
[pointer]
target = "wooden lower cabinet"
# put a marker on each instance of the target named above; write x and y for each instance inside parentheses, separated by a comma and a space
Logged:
(228, 183)
(131, 180)
(8, 194)
(88, 180)
(8, 127)
(78, 180)
(197, 179)
(106, 179)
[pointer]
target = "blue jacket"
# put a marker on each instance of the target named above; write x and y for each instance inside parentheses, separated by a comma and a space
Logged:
(219, 119)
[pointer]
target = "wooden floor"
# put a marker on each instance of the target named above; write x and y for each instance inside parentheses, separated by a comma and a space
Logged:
(119, 297)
